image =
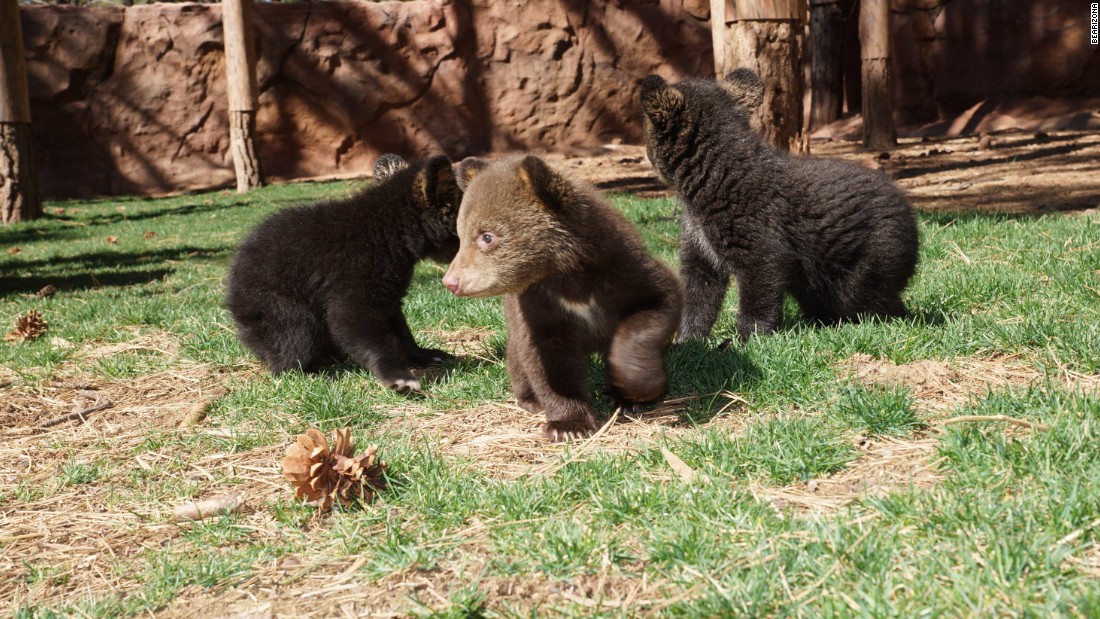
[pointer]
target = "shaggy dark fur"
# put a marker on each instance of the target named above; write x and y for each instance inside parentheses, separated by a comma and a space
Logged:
(576, 279)
(839, 238)
(316, 280)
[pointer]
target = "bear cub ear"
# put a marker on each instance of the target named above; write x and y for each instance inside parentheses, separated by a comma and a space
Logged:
(435, 183)
(745, 87)
(468, 168)
(388, 165)
(548, 186)
(660, 102)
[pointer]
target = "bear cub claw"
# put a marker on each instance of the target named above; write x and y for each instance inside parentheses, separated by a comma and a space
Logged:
(403, 385)
(569, 429)
(429, 356)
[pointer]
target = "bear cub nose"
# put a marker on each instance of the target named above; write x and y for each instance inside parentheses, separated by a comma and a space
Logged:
(451, 282)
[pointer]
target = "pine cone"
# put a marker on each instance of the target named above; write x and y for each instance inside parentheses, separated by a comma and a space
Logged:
(29, 326)
(321, 475)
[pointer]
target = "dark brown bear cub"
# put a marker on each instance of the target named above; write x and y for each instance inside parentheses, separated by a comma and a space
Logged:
(576, 280)
(317, 280)
(842, 240)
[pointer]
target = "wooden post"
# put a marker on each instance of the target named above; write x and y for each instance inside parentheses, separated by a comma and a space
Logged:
(240, 71)
(18, 190)
(766, 36)
(826, 60)
(874, 51)
(718, 36)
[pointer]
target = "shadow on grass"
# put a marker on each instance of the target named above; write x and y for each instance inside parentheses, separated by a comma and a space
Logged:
(100, 269)
(83, 281)
(699, 368)
(195, 208)
(115, 259)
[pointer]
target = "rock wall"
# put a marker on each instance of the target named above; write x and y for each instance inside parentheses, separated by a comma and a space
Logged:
(132, 100)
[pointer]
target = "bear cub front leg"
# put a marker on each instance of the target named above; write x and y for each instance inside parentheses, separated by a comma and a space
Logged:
(551, 382)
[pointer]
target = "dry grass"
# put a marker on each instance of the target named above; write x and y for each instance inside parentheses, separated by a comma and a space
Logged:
(337, 591)
(940, 385)
(84, 531)
(504, 441)
(884, 465)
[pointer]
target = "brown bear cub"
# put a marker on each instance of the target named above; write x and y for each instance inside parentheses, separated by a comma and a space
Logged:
(576, 279)
(317, 280)
(841, 239)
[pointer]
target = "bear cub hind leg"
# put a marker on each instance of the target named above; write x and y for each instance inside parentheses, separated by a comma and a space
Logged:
(635, 360)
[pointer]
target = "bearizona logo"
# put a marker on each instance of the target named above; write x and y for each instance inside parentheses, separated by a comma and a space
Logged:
(1094, 35)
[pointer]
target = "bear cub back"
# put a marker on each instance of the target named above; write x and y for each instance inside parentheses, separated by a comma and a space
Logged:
(321, 280)
(841, 239)
(576, 279)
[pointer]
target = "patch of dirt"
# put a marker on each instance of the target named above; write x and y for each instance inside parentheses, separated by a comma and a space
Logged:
(940, 385)
(337, 590)
(466, 342)
(77, 529)
(1019, 172)
(506, 442)
(1086, 560)
(884, 465)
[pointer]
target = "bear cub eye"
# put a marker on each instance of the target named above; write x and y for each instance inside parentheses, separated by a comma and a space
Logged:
(486, 241)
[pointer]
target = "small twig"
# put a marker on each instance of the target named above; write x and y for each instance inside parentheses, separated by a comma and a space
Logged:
(61, 384)
(216, 506)
(16, 538)
(77, 414)
(198, 412)
(1035, 425)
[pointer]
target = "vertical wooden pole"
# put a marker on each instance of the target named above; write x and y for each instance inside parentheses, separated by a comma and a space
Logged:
(826, 59)
(718, 36)
(18, 189)
(767, 37)
(240, 71)
(874, 50)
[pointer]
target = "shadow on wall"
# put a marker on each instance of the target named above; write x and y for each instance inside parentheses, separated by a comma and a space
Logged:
(133, 100)
(137, 105)
(391, 78)
(949, 56)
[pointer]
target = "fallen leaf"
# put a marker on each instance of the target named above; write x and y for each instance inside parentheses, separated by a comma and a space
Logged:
(686, 473)
(112, 240)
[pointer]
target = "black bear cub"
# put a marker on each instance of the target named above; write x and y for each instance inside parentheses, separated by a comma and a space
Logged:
(841, 239)
(576, 279)
(317, 280)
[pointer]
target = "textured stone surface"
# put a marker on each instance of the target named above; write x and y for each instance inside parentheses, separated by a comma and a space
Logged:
(132, 100)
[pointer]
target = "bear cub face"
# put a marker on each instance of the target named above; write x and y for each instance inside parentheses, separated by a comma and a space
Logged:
(516, 203)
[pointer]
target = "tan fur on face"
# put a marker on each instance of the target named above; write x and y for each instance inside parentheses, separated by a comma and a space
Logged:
(502, 200)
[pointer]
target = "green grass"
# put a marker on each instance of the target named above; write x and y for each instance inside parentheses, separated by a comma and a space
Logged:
(1008, 532)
